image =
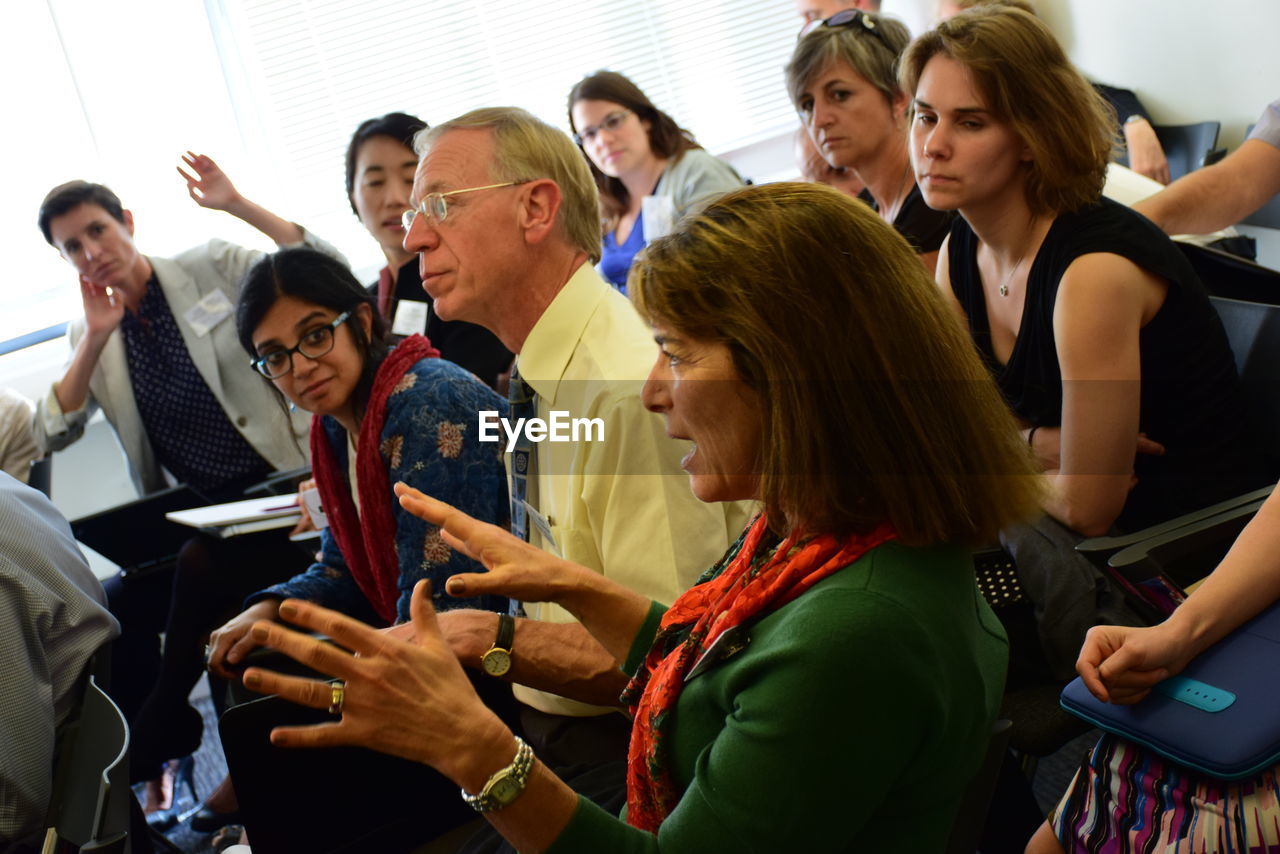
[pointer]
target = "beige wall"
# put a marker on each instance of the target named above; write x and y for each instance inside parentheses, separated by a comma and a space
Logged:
(1188, 61)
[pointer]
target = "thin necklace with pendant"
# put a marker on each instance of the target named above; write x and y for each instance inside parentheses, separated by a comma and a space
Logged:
(1004, 286)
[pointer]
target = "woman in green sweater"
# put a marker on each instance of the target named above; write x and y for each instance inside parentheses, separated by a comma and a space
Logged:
(830, 684)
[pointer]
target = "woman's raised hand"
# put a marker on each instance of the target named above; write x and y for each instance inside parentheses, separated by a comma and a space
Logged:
(515, 568)
(406, 698)
(209, 187)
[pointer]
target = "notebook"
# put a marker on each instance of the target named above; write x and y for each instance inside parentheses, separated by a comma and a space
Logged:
(1219, 716)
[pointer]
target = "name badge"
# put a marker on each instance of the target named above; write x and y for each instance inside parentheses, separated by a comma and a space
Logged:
(411, 317)
(659, 214)
(543, 524)
(208, 313)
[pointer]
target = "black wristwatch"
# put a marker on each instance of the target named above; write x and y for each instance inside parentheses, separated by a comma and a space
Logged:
(497, 660)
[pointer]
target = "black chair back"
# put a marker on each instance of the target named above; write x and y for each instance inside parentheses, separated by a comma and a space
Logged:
(1233, 277)
(1189, 147)
(41, 475)
(966, 833)
(1253, 330)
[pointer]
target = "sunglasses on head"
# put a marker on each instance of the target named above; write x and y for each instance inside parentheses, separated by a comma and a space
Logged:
(856, 18)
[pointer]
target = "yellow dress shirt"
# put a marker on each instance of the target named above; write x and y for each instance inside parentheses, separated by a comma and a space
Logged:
(621, 505)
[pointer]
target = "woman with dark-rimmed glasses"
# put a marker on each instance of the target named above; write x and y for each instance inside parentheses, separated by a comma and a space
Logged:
(843, 82)
(380, 415)
(649, 170)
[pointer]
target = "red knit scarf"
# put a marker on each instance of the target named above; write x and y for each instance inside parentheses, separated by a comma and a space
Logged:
(369, 548)
(754, 582)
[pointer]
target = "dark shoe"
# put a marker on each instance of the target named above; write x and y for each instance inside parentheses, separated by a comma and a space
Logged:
(162, 820)
(184, 771)
(226, 837)
(207, 821)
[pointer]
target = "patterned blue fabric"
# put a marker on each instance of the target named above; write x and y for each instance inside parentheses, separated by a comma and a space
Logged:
(429, 442)
(188, 428)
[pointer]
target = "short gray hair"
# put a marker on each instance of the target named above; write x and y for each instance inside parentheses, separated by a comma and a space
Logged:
(864, 52)
(525, 148)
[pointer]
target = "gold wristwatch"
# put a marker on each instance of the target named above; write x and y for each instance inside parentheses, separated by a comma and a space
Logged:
(505, 785)
(497, 660)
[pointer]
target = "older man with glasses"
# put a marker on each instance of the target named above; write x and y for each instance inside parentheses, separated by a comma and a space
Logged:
(506, 221)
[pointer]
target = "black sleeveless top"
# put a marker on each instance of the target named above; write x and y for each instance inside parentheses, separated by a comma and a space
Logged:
(1191, 401)
(922, 226)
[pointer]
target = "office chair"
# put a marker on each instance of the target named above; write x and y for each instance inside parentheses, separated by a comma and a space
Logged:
(41, 475)
(1189, 147)
(1188, 547)
(966, 833)
(89, 810)
(1228, 275)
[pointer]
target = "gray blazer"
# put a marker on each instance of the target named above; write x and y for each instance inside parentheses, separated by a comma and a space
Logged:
(249, 402)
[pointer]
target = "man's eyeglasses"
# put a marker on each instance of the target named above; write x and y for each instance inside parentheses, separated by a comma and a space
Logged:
(434, 206)
(313, 345)
(611, 123)
(856, 18)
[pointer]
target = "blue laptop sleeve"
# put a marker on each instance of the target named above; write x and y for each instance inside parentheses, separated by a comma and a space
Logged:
(1220, 716)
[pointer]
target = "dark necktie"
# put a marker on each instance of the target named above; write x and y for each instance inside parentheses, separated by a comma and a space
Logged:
(523, 401)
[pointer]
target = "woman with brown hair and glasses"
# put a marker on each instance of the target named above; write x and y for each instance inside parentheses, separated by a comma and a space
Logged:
(843, 82)
(829, 686)
(649, 170)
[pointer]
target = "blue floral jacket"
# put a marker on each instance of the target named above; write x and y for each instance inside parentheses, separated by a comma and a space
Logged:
(429, 442)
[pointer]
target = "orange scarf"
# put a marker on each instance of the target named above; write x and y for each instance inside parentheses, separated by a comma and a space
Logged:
(750, 583)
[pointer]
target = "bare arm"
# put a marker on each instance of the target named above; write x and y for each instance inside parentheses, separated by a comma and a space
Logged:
(561, 658)
(102, 314)
(549, 655)
(1120, 664)
(1102, 303)
(1219, 195)
(210, 187)
(1146, 157)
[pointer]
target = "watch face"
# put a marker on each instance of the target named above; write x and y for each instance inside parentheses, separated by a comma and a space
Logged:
(506, 790)
(496, 662)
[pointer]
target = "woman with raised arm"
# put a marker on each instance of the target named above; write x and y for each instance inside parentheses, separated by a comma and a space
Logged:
(1126, 798)
(842, 81)
(649, 170)
(830, 684)
(1092, 322)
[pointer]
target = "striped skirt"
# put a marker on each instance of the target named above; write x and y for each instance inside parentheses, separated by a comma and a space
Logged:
(1125, 798)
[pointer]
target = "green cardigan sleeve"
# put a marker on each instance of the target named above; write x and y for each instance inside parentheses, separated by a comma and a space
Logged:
(644, 639)
(796, 745)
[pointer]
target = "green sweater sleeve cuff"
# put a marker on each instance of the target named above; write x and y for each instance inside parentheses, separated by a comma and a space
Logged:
(592, 830)
(644, 639)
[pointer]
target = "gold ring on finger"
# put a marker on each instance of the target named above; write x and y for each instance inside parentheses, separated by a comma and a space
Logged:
(337, 696)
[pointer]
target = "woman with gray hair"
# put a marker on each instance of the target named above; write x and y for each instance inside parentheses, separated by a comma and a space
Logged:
(842, 79)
